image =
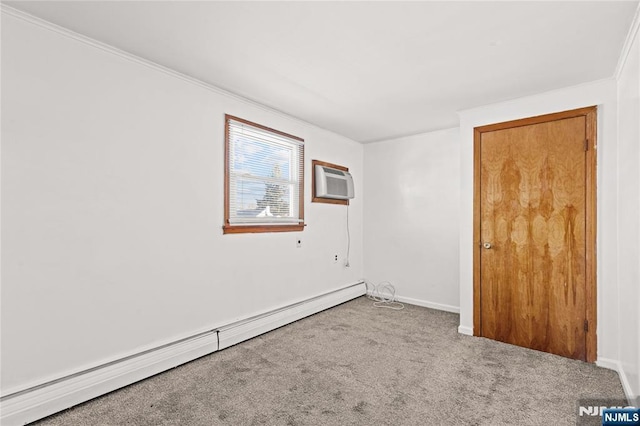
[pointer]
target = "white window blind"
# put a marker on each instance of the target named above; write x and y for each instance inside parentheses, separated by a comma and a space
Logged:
(265, 174)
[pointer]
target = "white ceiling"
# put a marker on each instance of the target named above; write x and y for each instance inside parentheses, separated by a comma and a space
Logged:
(367, 70)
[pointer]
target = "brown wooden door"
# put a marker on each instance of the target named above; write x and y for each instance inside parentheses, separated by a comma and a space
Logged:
(533, 206)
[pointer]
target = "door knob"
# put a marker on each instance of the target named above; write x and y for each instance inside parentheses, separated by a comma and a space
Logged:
(486, 245)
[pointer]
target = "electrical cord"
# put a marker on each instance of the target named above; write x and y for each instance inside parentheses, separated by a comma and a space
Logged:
(383, 295)
(348, 240)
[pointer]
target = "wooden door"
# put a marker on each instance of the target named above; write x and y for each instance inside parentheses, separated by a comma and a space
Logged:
(534, 269)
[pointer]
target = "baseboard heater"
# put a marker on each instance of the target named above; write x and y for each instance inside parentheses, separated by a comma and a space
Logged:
(22, 406)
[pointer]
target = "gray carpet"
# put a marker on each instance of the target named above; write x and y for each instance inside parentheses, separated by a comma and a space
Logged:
(358, 365)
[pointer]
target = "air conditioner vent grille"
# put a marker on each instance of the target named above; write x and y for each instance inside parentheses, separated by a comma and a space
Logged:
(333, 183)
(333, 171)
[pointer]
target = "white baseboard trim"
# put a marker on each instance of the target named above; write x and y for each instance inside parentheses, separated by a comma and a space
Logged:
(609, 364)
(39, 401)
(633, 399)
(428, 304)
(49, 398)
(252, 327)
(463, 329)
(615, 365)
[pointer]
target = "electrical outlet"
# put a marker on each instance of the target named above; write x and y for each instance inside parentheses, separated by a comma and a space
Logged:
(299, 243)
(335, 258)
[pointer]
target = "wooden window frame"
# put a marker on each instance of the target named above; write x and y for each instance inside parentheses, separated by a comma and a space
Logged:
(229, 228)
(315, 199)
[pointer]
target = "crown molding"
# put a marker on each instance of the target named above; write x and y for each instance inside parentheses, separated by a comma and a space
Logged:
(480, 108)
(628, 42)
(27, 17)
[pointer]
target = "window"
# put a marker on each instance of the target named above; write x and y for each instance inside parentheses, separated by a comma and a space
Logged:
(264, 179)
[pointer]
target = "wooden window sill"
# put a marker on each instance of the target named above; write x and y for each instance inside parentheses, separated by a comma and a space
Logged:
(246, 229)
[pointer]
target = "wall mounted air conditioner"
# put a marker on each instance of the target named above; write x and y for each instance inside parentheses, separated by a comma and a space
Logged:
(333, 183)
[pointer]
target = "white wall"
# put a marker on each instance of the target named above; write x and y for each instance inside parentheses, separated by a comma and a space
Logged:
(112, 210)
(603, 94)
(411, 217)
(628, 174)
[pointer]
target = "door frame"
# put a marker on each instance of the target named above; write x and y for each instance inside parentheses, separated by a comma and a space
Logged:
(590, 114)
